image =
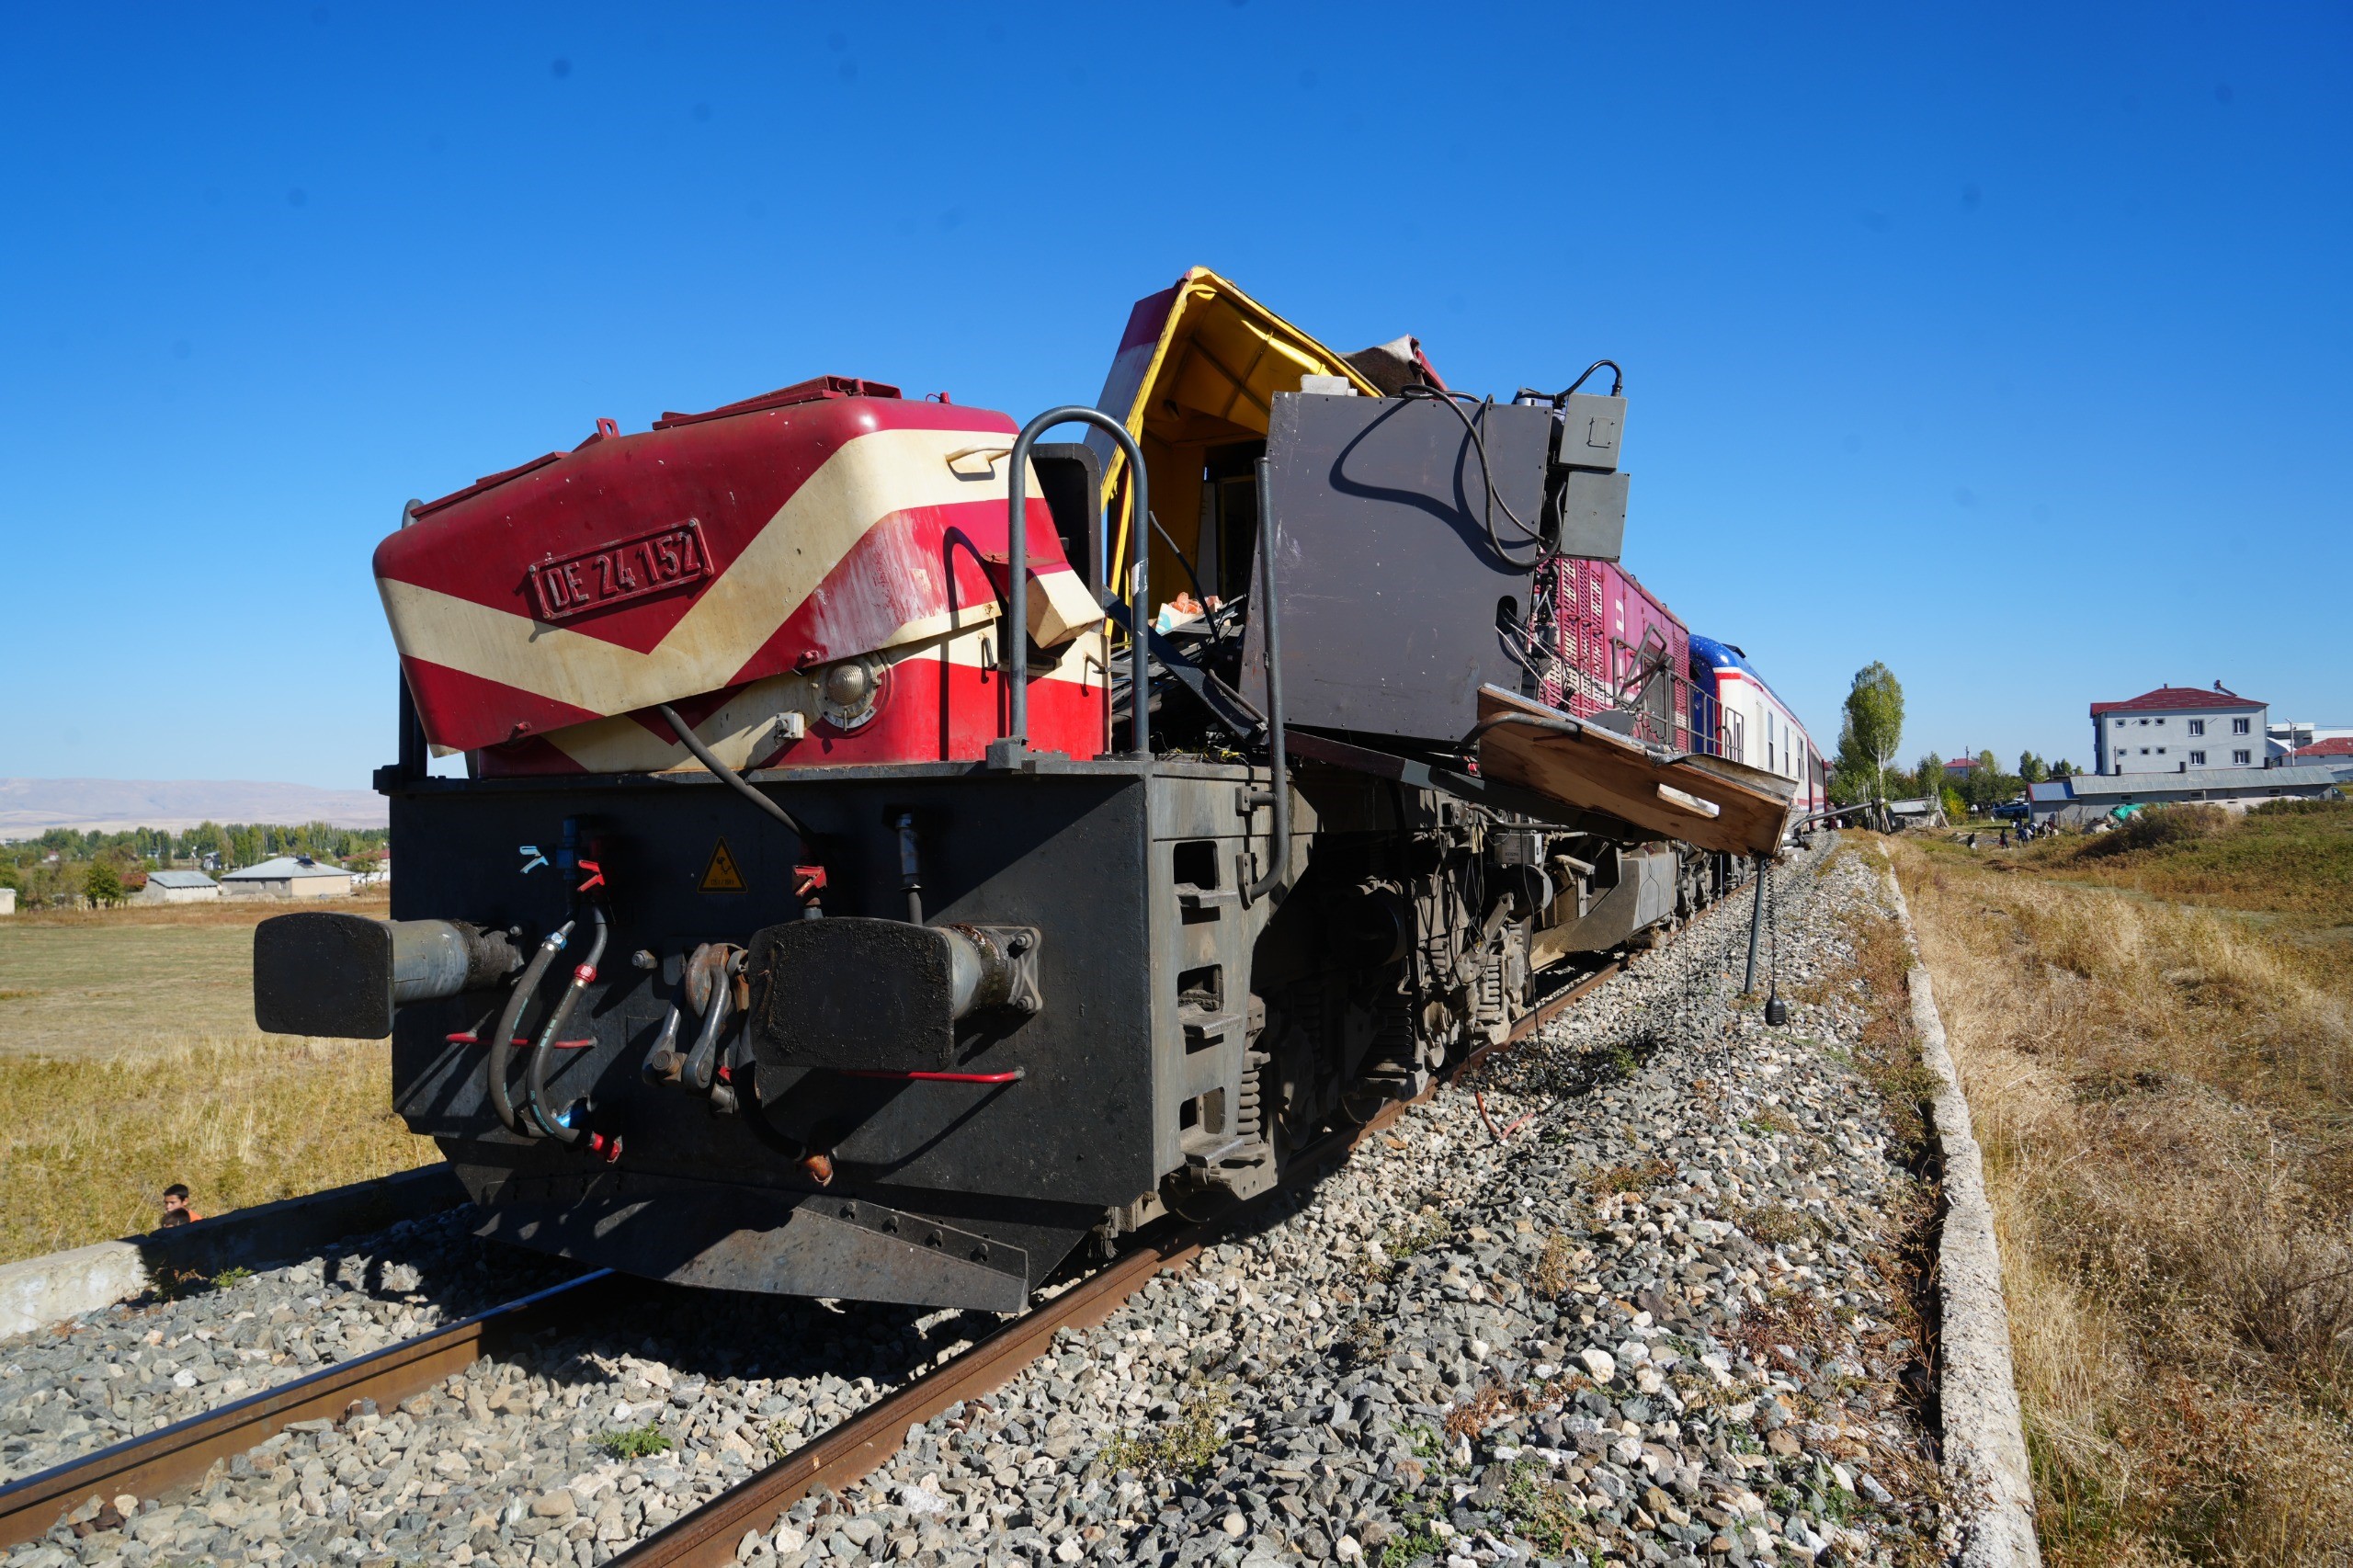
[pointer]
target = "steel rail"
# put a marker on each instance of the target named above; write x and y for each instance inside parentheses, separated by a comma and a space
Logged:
(178, 1456)
(707, 1538)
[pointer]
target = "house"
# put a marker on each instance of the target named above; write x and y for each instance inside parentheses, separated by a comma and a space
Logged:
(2177, 728)
(178, 887)
(2335, 750)
(2087, 797)
(2296, 735)
(288, 876)
(1961, 767)
(1921, 812)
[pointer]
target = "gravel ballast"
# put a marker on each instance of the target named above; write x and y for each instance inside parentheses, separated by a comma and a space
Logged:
(1661, 1322)
(1658, 1324)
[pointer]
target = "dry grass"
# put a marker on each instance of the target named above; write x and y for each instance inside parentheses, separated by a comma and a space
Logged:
(2291, 857)
(129, 1061)
(87, 1147)
(94, 983)
(2164, 1094)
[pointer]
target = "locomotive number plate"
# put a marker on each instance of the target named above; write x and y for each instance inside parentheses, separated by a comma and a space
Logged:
(627, 569)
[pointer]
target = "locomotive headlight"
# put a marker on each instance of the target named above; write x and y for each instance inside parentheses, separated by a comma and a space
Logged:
(851, 691)
(849, 686)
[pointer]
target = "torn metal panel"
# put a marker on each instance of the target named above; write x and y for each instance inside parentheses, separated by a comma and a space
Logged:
(1703, 801)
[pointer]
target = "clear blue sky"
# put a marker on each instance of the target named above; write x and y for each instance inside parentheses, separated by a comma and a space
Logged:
(2008, 345)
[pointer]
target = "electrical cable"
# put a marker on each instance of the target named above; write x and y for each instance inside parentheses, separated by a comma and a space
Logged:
(1617, 383)
(1486, 476)
(1191, 576)
(502, 1040)
(702, 753)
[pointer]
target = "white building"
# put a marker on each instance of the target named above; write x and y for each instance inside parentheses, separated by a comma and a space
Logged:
(178, 887)
(2177, 728)
(288, 876)
(2087, 799)
(2291, 736)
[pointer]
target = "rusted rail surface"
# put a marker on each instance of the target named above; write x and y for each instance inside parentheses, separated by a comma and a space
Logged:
(707, 1538)
(178, 1455)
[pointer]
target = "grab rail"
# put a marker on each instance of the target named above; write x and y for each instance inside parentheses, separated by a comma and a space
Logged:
(1017, 552)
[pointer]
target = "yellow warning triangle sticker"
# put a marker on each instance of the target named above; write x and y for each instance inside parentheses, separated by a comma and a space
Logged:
(721, 875)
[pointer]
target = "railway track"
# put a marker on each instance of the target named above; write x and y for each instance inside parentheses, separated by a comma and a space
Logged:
(177, 1458)
(178, 1455)
(866, 1442)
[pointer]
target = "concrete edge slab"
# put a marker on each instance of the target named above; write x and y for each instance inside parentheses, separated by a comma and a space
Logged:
(1984, 1434)
(38, 1292)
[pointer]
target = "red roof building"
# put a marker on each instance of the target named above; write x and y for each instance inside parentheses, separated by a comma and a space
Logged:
(2334, 746)
(2179, 700)
(2177, 728)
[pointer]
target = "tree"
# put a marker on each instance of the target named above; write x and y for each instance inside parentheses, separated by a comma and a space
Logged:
(2063, 768)
(103, 886)
(2031, 769)
(1928, 778)
(1874, 725)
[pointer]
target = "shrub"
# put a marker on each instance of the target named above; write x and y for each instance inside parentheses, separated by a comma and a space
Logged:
(635, 1442)
(2161, 825)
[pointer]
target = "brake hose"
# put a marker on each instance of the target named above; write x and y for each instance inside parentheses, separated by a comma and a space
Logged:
(502, 1052)
(535, 1072)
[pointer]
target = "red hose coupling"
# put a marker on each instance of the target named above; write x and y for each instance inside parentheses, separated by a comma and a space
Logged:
(611, 1148)
(813, 880)
(585, 973)
(596, 876)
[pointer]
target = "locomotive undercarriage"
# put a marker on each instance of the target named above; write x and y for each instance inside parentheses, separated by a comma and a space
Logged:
(1177, 1039)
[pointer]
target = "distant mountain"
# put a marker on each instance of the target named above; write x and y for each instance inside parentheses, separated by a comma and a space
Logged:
(29, 807)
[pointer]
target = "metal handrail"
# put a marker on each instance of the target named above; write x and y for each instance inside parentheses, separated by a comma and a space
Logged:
(1278, 758)
(1017, 552)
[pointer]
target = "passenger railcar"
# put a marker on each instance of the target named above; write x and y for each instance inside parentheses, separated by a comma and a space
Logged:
(1751, 722)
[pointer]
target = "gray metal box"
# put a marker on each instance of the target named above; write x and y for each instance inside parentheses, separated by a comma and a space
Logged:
(1593, 514)
(1389, 588)
(1590, 430)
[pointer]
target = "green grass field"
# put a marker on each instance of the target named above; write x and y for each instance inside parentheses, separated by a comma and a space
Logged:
(129, 1061)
